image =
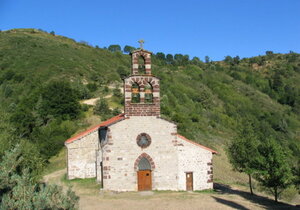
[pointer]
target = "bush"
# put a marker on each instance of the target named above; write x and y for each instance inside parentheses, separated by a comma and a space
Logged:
(92, 87)
(101, 107)
(18, 190)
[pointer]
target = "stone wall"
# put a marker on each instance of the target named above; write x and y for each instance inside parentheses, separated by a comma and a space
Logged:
(192, 158)
(83, 157)
(121, 152)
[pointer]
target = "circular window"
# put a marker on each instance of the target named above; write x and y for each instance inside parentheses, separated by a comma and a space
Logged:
(143, 140)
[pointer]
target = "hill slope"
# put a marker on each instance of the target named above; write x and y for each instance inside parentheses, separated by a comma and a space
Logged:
(206, 97)
(209, 101)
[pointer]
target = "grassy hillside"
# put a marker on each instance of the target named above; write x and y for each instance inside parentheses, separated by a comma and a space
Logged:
(209, 101)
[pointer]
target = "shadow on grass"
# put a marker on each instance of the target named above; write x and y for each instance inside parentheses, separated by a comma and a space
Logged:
(230, 203)
(261, 200)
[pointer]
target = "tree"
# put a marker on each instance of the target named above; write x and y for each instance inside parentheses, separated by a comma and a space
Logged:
(243, 152)
(114, 48)
(122, 72)
(178, 58)
(59, 100)
(128, 49)
(181, 59)
(18, 190)
(52, 33)
(236, 59)
(80, 90)
(169, 59)
(117, 92)
(296, 172)
(207, 59)
(23, 120)
(269, 53)
(161, 56)
(92, 87)
(228, 59)
(102, 108)
(185, 59)
(274, 171)
(195, 61)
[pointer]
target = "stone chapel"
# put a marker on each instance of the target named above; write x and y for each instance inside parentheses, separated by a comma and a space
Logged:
(138, 150)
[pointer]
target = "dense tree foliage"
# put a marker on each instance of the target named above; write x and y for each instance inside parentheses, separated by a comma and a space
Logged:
(262, 158)
(296, 173)
(59, 100)
(243, 152)
(43, 117)
(101, 108)
(18, 190)
(274, 170)
(128, 49)
(114, 48)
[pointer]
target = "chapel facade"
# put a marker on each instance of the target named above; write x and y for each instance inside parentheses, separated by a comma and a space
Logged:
(138, 150)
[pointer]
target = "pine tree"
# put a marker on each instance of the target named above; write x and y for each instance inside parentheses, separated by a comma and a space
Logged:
(19, 190)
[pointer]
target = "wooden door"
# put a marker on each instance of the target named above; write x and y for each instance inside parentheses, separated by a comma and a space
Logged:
(144, 180)
(189, 181)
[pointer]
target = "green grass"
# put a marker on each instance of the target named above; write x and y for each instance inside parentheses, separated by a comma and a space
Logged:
(57, 162)
(87, 184)
(208, 191)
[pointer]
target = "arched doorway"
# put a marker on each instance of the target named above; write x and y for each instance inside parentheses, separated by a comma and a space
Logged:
(143, 165)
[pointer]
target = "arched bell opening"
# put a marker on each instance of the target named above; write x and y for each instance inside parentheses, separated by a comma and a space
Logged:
(141, 65)
(135, 93)
(148, 93)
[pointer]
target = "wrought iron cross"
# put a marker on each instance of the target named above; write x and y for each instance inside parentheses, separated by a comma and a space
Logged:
(141, 43)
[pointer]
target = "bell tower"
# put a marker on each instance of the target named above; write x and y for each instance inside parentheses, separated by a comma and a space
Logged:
(141, 88)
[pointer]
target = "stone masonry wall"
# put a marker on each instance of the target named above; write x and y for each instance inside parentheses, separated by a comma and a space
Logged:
(82, 157)
(121, 152)
(192, 158)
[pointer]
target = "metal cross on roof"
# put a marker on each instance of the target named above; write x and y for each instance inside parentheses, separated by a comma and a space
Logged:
(141, 43)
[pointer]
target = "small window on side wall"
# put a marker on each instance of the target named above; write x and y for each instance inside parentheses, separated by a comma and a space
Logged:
(135, 93)
(148, 93)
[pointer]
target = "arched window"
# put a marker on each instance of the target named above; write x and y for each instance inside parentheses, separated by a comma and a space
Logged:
(142, 69)
(144, 164)
(148, 93)
(135, 93)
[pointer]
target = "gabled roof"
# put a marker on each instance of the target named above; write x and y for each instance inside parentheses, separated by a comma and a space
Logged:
(103, 124)
(199, 145)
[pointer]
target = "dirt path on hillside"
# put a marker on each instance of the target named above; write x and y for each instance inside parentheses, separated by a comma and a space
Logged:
(225, 197)
(93, 101)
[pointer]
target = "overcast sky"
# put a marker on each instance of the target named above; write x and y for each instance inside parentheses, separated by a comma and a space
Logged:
(198, 28)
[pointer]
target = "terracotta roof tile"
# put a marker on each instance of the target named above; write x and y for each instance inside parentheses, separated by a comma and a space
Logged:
(199, 145)
(103, 124)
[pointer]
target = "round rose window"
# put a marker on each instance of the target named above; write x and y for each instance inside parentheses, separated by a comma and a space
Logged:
(143, 140)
